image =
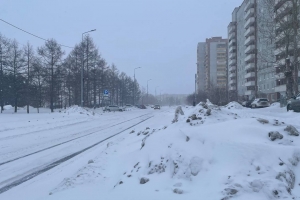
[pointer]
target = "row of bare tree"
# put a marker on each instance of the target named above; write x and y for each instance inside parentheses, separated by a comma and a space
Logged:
(48, 78)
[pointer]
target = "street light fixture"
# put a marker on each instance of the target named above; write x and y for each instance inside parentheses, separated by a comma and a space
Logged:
(82, 67)
(147, 90)
(134, 84)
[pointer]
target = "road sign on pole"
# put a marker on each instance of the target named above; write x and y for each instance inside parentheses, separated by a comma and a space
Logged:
(106, 93)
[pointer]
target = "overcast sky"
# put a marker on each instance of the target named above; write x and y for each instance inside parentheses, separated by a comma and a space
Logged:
(160, 36)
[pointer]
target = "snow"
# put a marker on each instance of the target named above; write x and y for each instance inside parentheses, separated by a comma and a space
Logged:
(221, 154)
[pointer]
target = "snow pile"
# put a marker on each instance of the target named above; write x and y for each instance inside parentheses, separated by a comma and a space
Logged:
(79, 110)
(276, 104)
(220, 154)
(7, 107)
(234, 105)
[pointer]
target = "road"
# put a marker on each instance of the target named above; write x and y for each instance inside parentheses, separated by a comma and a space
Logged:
(29, 149)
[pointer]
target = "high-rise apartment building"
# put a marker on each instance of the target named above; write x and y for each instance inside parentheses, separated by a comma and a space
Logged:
(212, 63)
(250, 73)
(284, 12)
(201, 52)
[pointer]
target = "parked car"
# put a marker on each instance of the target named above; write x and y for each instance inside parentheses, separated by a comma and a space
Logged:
(294, 104)
(260, 103)
(142, 107)
(113, 108)
(156, 107)
(247, 103)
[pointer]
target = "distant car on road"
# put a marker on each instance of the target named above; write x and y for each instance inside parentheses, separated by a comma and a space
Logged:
(142, 107)
(260, 103)
(294, 104)
(156, 107)
(113, 108)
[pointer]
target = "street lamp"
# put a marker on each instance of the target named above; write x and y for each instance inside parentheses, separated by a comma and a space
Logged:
(134, 84)
(160, 98)
(82, 67)
(155, 90)
(147, 90)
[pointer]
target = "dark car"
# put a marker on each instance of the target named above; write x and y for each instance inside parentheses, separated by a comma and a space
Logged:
(294, 104)
(142, 107)
(156, 107)
(247, 103)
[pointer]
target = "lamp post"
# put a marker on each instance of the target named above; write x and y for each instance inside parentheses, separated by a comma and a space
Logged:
(160, 98)
(134, 84)
(147, 90)
(155, 91)
(82, 67)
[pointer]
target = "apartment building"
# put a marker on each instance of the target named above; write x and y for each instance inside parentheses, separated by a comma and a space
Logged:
(200, 78)
(212, 63)
(284, 9)
(250, 71)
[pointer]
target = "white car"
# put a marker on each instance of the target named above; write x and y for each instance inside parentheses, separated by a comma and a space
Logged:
(113, 108)
(260, 103)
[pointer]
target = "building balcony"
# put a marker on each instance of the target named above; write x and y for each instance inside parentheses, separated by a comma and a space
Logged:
(250, 74)
(232, 68)
(250, 83)
(231, 49)
(232, 55)
(250, 66)
(249, 92)
(280, 88)
(221, 62)
(233, 81)
(250, 49)
(232, 43)
(249, 40)
(249, 31)
(249, 5)
(231, 75)
(283, 10)
(249, 22)
(279, 75)
(250, 57)
(231, 36)
(232, 88)
(279, 3)
(249, 13)
(231, 29)
(232, 62)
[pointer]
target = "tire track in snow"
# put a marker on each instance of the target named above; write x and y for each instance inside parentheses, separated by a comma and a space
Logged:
(93, 131)
(58, 162)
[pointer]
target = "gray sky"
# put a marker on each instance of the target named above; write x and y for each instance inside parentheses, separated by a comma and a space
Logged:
(160, 36)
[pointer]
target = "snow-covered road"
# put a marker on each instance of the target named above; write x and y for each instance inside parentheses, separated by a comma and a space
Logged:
(210, 153)
(30, 143)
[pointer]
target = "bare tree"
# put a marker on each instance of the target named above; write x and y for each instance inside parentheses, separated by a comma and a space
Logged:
(4, 55)
(52, 54)
(29, 57)
(281, 28)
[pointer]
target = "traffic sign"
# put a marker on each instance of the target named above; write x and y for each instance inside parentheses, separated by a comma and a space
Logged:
(106, 92)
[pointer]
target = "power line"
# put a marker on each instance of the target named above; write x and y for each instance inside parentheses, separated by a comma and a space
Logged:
(32, 34)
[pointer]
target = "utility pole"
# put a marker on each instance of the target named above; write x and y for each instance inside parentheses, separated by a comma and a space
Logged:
(82, 68)
(134, 84)
(155, 91)
(147, 91)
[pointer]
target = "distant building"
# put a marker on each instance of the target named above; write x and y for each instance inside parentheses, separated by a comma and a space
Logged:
(212, 64)
(250, 73)
(201, 66)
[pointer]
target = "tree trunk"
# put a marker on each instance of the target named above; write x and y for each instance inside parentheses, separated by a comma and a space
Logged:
(52, 84)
